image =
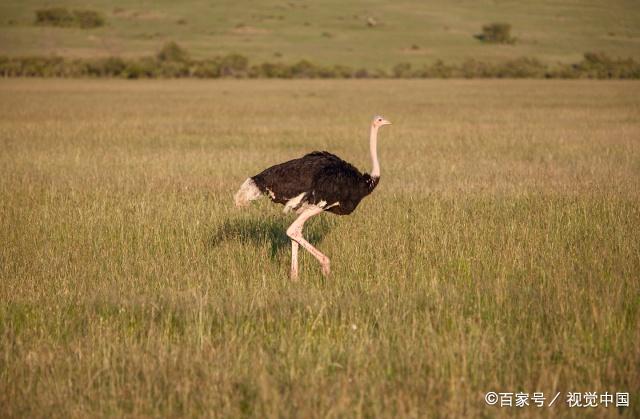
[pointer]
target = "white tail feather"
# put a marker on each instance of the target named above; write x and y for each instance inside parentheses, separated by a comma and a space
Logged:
(247, 193)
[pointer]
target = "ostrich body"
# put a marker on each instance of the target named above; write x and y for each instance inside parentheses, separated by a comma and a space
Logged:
(317, 182)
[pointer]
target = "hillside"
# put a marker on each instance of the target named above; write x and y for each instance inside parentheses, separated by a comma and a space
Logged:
(331, 32)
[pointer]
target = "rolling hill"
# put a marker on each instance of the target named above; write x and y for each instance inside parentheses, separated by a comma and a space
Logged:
(372, 34)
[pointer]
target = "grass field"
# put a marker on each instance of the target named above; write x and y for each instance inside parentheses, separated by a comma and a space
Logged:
(500, 251)
(332, 31)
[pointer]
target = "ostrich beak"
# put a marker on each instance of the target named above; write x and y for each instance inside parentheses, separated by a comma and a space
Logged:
(385, 122)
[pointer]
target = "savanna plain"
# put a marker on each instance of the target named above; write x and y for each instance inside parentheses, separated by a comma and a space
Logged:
(500, 251)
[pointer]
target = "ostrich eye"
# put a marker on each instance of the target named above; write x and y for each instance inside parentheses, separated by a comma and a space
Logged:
(379, 119)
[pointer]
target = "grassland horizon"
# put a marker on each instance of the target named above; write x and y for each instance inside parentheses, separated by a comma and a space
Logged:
(331, 32)
(500, 251)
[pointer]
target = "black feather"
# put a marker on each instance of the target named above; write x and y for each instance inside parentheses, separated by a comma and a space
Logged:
(321, 176)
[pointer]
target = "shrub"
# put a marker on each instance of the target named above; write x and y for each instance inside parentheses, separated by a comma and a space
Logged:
(343, 71)
(113, 66)
(170, 63)
(61, 17)
(421, 72)
(402, 70)
(87, 19)
(440, 70)
(141, 68)
(499, 33)
(173, 69)
(379, 74)
(172, 52)
(10, 67)
(326, 73)
(472, 68)
(55, 16)
(361, 73)
(73, 68)
(105, 67)
(32, 66)
(522, 68)
(234, 65)
(601, 66)
(41, 66)
(5, 64)
(304, 69)
(205, 69)
(274, 70)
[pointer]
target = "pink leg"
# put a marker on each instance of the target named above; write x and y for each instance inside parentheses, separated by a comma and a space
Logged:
(294, 260)
(295, 233)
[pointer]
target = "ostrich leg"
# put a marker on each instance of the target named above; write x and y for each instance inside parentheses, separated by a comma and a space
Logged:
(295, 233)
(294, 260)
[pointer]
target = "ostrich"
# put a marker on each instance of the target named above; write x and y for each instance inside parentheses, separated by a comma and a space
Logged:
(317, 182)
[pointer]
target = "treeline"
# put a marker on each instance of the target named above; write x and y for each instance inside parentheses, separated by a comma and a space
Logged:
(177, 64)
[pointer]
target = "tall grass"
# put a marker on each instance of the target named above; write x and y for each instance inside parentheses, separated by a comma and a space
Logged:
(500, 251)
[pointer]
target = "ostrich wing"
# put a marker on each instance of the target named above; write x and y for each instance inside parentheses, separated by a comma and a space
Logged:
(319, 176)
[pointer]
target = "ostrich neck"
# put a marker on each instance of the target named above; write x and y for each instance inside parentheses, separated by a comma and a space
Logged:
(373, 145)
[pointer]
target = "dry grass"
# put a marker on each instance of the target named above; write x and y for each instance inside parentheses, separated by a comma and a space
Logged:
(500, 251)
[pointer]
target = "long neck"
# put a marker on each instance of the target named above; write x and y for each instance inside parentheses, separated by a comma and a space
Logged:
(373, 145)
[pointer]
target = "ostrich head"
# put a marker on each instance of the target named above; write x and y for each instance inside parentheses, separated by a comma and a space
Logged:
(379, 121)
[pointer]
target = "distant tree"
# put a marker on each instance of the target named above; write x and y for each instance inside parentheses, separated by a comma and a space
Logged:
(498, 33)
(61, 17)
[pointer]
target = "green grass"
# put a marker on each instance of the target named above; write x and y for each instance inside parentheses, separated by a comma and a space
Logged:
(500, 251)
(333, 32)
